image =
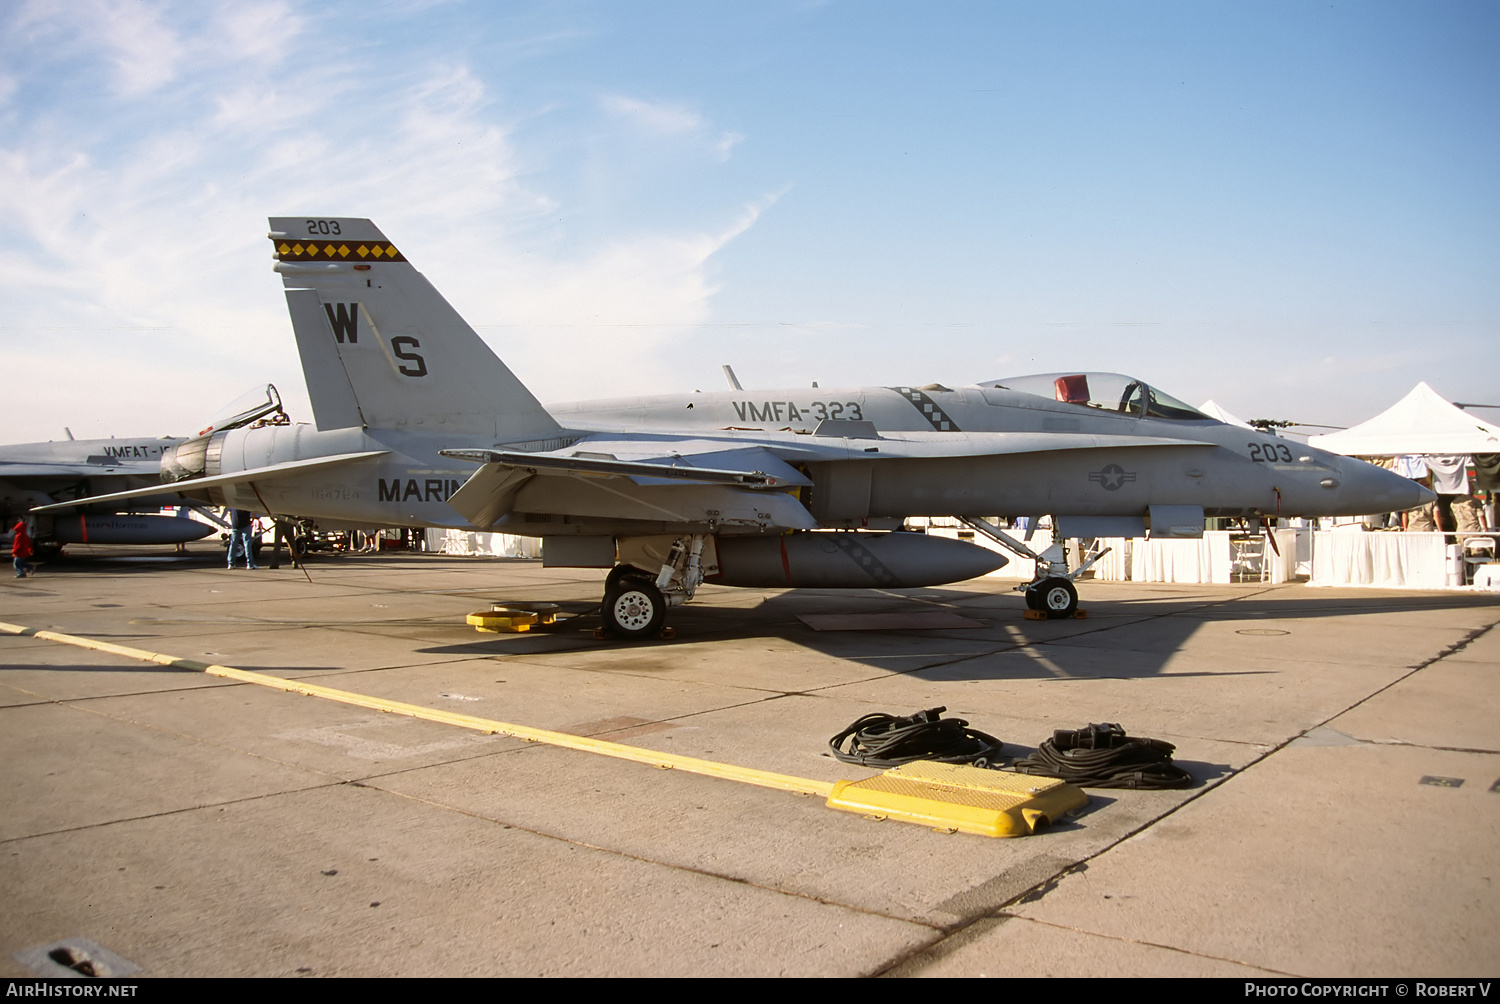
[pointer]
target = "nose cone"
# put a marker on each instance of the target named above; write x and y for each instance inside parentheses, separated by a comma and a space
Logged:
(1369, 489)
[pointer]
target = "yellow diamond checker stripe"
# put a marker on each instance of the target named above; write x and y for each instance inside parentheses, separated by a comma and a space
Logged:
(336, 250)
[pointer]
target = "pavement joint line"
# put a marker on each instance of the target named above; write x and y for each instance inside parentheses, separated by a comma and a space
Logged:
(1453, 649)
(1044, 885)
(172, 812)
(669, 761)
(1154, 944)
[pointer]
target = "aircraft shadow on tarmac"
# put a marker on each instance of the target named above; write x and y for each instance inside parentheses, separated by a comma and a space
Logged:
(1124, 636)
(1121, 638)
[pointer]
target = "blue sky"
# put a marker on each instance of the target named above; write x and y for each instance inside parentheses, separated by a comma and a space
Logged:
(1290, 208)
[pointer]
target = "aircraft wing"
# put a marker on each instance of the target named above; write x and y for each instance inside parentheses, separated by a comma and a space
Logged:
(270, 473)
(688, 475)
(724, 479)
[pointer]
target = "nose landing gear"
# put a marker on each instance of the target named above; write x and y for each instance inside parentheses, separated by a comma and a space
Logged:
(1052, 593)
(1056, 597)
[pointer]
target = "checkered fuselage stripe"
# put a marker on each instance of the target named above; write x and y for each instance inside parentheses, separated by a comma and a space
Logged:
(867, 562)
(928, 409)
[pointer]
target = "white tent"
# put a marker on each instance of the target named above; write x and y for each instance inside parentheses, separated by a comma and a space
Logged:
(1214, 410)
(1421, 422)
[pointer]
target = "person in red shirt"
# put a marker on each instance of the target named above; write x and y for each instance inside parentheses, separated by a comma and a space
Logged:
(20, 549)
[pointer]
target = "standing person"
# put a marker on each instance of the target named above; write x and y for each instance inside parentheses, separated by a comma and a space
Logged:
(1455, 506)
(241, 530)
(1415, 468)
(20, 550)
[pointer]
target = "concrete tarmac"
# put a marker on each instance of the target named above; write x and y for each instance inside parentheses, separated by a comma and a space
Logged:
(1345, 820)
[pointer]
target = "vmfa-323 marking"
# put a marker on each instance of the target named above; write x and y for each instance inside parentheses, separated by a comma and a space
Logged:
(418, 423)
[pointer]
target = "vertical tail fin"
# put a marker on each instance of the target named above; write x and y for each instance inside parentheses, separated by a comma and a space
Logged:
(380, 346)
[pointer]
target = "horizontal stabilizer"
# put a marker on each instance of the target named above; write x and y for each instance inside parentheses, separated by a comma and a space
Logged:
(272, 473)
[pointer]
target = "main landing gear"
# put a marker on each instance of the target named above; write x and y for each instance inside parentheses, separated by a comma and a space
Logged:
(633, 606)
(635, 602)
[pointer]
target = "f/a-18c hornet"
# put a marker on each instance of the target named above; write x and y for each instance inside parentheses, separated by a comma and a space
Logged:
(418, 423)
(34, 474)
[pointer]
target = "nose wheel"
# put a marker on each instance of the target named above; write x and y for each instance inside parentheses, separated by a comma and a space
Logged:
(633, 607)
(1055, 597)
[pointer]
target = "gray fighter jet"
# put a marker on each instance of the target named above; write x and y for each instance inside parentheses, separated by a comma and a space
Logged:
(36, 474)
(418, 423)
(43, 474)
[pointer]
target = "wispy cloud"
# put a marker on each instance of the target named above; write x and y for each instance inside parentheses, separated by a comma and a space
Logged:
(658, 119)
(655, 117)
(132, 222)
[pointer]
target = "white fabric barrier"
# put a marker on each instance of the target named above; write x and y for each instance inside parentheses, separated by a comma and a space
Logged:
(1392, 560)
(1140, 559)
(1115, 565)
(499, 545)
(1218, 557)
(1207, 559)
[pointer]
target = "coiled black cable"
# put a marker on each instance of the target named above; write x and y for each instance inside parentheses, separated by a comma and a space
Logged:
(881, 740)
(1103, 756)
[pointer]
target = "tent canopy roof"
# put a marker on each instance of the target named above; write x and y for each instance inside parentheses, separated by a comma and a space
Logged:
(1213, 410)
(1421, 422)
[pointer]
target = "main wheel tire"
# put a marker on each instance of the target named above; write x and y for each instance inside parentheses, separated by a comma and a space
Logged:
(635, 608)
(1057, 597)
(1033, 596)
(612, 580)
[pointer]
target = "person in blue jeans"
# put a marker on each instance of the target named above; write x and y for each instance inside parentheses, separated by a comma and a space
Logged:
(241, 532)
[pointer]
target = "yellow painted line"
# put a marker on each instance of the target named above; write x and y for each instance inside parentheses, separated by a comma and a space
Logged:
(670, 761)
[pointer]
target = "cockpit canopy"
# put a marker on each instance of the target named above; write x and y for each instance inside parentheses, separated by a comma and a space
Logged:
(1103, 391)
(246, 408)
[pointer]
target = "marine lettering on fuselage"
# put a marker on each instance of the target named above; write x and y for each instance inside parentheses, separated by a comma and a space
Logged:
(425, 490)
(344, 319)
(790, 411)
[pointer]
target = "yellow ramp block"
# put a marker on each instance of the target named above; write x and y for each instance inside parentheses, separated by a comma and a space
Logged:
(502, 621)
(947, 796)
